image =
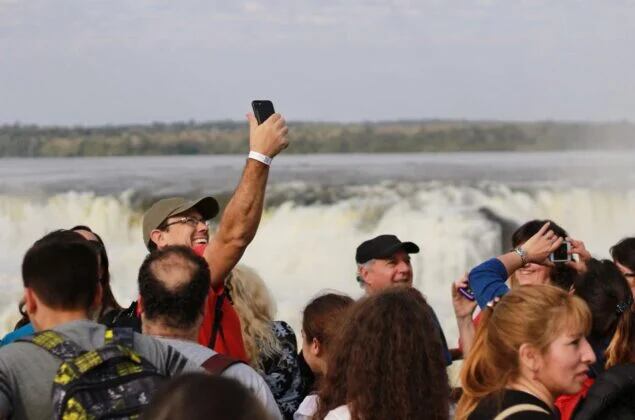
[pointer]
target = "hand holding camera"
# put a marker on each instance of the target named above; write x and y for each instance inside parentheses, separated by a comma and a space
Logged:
(539, 247)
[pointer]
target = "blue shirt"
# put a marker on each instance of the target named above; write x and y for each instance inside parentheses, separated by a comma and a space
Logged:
(19, 333)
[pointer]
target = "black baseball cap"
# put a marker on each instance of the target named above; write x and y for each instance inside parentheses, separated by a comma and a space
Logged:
(382, 246)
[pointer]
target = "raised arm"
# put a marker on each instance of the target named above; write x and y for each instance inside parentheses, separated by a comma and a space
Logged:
(487, 280)
(241, 217)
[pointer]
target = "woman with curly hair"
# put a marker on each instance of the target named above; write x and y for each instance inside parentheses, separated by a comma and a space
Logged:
(386, 363)
(271, 345)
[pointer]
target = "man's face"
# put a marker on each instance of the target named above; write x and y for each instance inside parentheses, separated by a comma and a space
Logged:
(187, 228)
(383, 273)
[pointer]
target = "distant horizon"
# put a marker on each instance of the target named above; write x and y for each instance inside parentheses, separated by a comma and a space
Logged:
(357, 122)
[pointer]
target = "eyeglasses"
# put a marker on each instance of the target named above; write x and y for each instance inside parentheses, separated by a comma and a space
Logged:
(192, 221)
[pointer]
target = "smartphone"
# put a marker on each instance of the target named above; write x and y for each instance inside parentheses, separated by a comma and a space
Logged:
(467, 292)
(262, 110)
(561, 254)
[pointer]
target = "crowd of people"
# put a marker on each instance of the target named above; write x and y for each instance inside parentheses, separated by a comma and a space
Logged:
(540, 338)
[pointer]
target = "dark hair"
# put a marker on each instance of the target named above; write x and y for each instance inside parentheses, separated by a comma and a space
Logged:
(323, 317)
(606, 292)
(561, 275)
(61, 268)
(173, 284)
(108, 300)
(623, 252)
(387, 361)
(199, 396)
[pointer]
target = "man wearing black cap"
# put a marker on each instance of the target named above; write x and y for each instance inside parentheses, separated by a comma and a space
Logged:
(178, 221)
(383, 262)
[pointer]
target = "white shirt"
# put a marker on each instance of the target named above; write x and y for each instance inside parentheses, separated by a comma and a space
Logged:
(307, 408)
(339, 413)
(241, 372)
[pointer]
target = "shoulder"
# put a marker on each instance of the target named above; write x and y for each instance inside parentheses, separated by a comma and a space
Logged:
(611, 394)
(307, 408)
(340, 413)
(527, 407)
(244, 374)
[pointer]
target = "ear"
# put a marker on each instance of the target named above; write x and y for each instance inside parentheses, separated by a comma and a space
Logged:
(140, 307)
(315, 348)
(529, 358)
(362, 273)
(99, 293)
(157, 236)
(30, 301)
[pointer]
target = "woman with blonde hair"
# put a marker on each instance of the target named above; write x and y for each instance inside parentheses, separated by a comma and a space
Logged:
(271, 345)
(529, 349)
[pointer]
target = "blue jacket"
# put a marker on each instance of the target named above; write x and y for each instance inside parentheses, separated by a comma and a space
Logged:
(487, 281)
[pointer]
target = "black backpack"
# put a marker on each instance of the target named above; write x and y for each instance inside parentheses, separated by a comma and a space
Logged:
(112, 381)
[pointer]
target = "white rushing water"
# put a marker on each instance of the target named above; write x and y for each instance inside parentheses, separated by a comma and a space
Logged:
(309, 232)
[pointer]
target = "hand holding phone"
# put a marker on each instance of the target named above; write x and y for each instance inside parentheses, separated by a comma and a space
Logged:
(267, 130)
(562, 253)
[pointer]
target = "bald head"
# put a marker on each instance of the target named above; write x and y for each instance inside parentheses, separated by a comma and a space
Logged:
(173, 284)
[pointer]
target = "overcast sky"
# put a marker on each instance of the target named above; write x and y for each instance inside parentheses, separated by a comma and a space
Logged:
(123, 61)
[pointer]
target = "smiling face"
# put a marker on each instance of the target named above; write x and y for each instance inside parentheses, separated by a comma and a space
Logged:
(562, 369)
(383, 273)
(533, 274)
(187, 229)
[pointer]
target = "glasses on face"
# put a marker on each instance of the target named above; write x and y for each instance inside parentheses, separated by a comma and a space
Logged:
(192, 221)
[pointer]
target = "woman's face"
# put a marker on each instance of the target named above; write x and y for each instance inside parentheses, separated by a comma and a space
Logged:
(533, 274)
(562, 369)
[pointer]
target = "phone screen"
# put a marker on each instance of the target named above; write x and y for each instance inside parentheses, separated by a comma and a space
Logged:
(262, 110)
(561, 253)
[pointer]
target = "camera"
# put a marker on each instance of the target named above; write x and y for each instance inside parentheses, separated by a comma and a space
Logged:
(561, 254)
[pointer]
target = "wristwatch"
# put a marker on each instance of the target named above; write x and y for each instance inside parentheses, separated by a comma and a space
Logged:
(522, 254)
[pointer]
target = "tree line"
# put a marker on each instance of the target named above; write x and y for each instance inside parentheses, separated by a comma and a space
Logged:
(229, 137)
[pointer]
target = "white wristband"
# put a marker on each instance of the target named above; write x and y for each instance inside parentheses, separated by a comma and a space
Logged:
(260, 158)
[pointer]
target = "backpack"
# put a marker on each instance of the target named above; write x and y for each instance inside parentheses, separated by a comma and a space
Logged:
(112, 381)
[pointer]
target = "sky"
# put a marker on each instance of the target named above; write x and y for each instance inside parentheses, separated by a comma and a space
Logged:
(85, 62)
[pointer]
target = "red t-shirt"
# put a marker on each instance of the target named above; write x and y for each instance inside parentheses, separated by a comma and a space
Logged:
(229, 340)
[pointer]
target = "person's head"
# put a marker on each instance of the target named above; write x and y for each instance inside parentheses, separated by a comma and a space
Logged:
(255, 308)
(173, 286)
(199, 396)
(605, 290)
(386, 362)
(535, 335)
(560, 275)
(60, 274)
(623, 254)
(177, 221)
(383, 262)
(108, 299)
(321, 321)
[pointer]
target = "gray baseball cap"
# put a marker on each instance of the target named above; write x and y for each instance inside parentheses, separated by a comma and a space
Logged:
(162, 209)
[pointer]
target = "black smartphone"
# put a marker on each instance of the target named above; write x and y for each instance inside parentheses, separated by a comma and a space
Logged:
(263, 109)
(561, 254)
(467, 292)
